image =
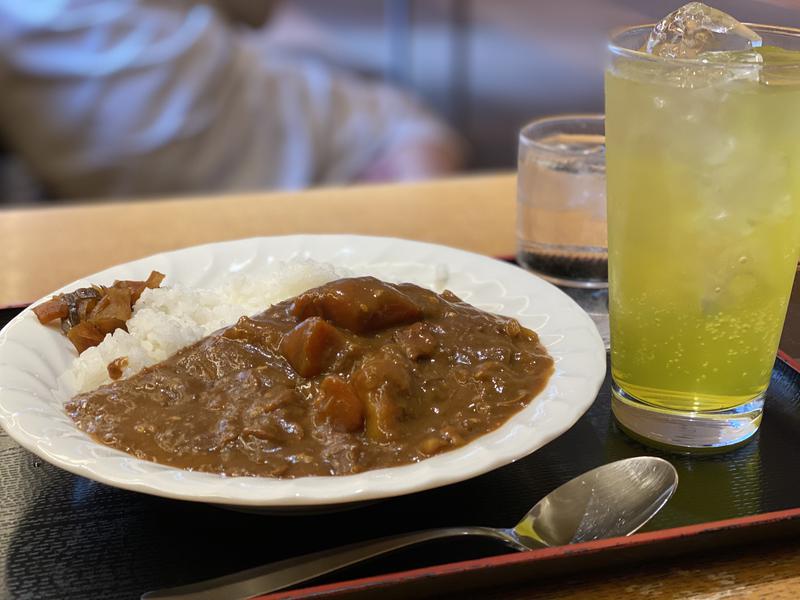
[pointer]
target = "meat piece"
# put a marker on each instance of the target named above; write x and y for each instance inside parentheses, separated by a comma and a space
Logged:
(382, 369)
(311, 346)
(417, 341)
(360, 304)
(338, 404)
(275, 417)
(343, 456)
(218, 359)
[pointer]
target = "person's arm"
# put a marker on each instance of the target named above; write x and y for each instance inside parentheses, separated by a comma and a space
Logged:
(376, 132)
(414, 159)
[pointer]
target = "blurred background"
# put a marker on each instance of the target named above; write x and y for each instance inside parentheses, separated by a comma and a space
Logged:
(105, 99)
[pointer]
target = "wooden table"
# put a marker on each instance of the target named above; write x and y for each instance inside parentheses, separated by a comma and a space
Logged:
(45, 248)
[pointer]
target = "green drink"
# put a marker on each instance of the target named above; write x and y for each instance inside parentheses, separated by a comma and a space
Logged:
(703, 170)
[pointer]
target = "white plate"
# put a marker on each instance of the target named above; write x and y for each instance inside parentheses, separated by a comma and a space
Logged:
(32, 357)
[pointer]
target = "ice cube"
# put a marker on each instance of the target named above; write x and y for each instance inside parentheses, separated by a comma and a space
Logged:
(781, 66)
(696, 29)
(717, 68)
(727, 65)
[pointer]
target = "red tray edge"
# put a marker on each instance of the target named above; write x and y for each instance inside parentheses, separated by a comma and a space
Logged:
(792, 362)
(545, 554)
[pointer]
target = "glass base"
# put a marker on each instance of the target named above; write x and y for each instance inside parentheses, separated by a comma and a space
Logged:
(566, 266)
(687, 432)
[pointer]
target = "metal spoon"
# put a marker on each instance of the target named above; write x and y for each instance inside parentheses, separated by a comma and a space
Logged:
(613, 500)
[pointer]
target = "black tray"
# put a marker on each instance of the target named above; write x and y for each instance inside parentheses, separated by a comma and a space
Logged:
(63, 536)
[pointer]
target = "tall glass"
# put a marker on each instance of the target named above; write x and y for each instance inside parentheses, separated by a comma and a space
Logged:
(703, 172)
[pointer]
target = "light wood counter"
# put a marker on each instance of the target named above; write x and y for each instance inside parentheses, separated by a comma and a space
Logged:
(45, 248)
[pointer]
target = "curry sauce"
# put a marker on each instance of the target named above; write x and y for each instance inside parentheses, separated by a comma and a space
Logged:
(354, 375)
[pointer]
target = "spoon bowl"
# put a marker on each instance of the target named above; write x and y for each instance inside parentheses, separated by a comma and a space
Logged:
(613, 500)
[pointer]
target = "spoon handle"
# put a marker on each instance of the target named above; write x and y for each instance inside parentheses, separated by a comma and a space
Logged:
(278, 575)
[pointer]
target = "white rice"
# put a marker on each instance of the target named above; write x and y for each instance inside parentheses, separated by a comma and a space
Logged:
(168, 318)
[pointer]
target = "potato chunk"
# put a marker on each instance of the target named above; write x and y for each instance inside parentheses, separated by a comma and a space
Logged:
(311, 346)
(338, 404)
(381, 381)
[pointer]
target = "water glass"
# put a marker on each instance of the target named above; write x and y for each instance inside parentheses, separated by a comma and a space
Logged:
(561, 200)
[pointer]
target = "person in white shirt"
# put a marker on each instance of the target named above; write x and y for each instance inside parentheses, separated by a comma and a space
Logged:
(105, 98)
